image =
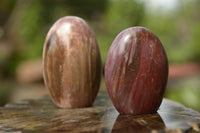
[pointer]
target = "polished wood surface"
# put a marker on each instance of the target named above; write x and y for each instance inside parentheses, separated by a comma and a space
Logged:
(43, 116)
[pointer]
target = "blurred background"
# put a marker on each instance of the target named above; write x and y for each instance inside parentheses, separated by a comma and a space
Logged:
(25, 23)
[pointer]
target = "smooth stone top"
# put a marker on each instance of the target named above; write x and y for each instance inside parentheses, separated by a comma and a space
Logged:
(43, 116)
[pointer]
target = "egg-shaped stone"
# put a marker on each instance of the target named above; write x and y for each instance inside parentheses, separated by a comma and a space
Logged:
(71, 63)
(136, 71)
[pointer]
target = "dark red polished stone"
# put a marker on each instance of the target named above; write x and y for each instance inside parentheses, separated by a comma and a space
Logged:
(136, 71)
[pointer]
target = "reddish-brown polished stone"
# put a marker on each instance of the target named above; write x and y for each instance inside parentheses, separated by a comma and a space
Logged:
(72, 63)
(136, 71)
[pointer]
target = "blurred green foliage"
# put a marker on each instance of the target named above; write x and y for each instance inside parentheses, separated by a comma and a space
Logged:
(32, 29)
(187, 92)
(5, 92)
(40, 15)
(119, 15)
(6, 8)
(178, 30)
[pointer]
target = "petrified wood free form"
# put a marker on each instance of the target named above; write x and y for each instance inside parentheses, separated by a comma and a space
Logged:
(136, 71)
(72, 64)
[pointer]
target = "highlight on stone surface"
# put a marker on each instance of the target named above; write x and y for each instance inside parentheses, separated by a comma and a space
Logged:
(136, 71)
(72, 63)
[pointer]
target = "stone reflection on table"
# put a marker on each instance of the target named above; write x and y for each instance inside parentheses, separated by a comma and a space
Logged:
(43, 116)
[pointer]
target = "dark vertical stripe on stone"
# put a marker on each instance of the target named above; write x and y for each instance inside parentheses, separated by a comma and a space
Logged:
(133, 66)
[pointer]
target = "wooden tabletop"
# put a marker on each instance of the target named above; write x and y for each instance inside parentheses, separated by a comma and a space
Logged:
(43, 116)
